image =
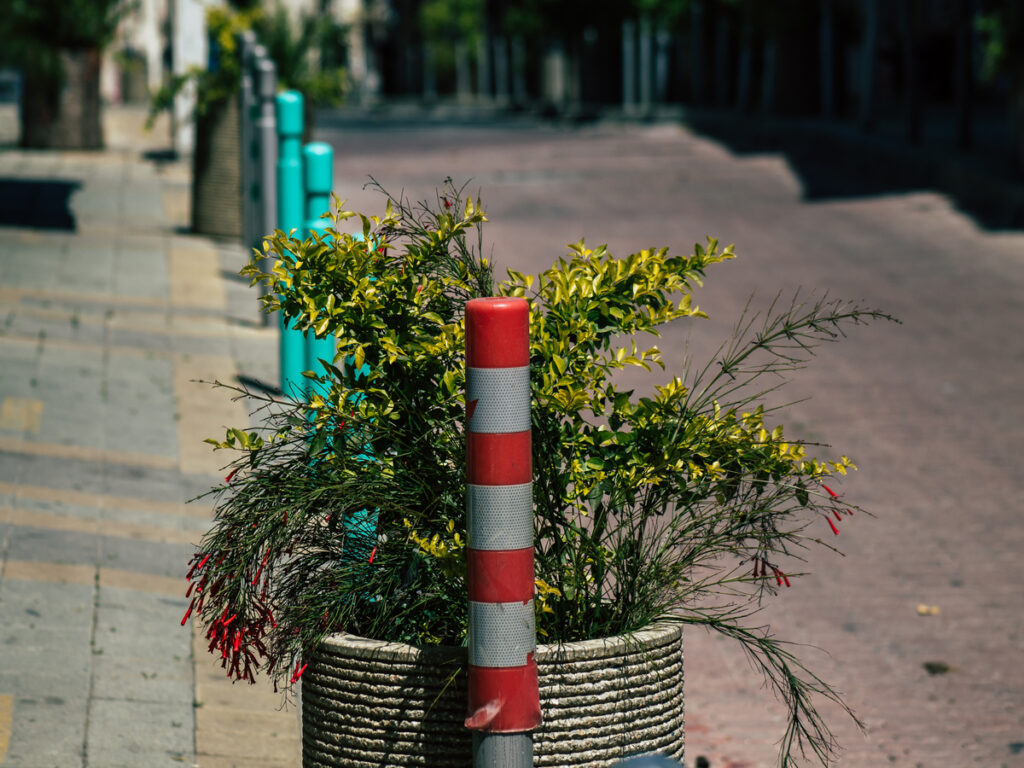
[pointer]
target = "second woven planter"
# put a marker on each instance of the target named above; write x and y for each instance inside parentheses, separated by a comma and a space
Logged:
(370, 704)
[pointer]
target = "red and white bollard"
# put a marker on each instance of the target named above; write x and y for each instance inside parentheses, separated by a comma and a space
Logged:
(504, 704)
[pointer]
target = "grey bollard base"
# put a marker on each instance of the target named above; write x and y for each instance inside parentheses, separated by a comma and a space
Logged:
(647, 761)
(502, 750)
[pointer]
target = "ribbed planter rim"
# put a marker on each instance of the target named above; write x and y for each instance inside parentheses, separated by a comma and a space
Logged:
(364, 647)
(373, 703)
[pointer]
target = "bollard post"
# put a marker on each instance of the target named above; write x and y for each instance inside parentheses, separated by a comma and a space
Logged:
(251, 157)
(246, 96)
(290, 200)
(266, 129)
(504, 704)
(318, 174)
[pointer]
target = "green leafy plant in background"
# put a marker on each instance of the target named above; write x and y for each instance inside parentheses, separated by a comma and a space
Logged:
(35, 31)
(349, 513)
(213, 85)
(57, 47)
(299, 52)
(290, 47)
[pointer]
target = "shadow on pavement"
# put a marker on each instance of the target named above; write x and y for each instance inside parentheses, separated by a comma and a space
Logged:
(836, 161)
(253, 383)
(37, 203)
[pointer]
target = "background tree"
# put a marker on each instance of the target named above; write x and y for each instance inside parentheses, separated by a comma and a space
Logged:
(57, 44)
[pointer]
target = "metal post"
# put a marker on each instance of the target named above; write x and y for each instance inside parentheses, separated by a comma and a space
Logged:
(318, 174)
(266, 129)
(504, 703)
(247, 41)
(251, 153)
(290, 200)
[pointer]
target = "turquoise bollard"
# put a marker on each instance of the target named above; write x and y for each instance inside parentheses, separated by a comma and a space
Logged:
(318, 172)
(290, 202)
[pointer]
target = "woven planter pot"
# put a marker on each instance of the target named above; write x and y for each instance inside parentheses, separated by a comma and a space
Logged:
(217, 171)
(370, 704)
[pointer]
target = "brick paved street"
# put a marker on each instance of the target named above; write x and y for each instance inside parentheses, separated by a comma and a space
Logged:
(930, 410)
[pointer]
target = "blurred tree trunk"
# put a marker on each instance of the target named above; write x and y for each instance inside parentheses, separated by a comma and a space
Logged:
(429, 74)
(520, 92)
(963, 70)
(828, 92)
(662, 47)
(1017, 112)
(768, 69)
(745, 74)
(721, 61)
(463, 75)
(63, 113)
(697, 85)
(868, 62)
(483, 66)
(909, 12)
(501, 78)
(646, 64)
(628, 66)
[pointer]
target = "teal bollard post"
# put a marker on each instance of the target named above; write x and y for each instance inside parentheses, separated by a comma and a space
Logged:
(318, 171)
(290, 201)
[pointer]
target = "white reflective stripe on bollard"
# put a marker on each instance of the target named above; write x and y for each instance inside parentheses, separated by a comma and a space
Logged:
(501, 397)
(501, 634)
(499, 517)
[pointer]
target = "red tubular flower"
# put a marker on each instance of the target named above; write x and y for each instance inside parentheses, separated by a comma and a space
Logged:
(196, 567)
(373, 554)
(298, 672)
(833, 526)
(260, 571)
(188, 612)
(231, 475)
(778, 576)
(836, 513)
(831, 493)
(785, 578)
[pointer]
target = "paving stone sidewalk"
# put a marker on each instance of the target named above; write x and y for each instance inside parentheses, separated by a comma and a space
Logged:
(109, 315)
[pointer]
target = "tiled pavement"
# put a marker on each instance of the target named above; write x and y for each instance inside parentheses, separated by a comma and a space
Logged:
(105, 329)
